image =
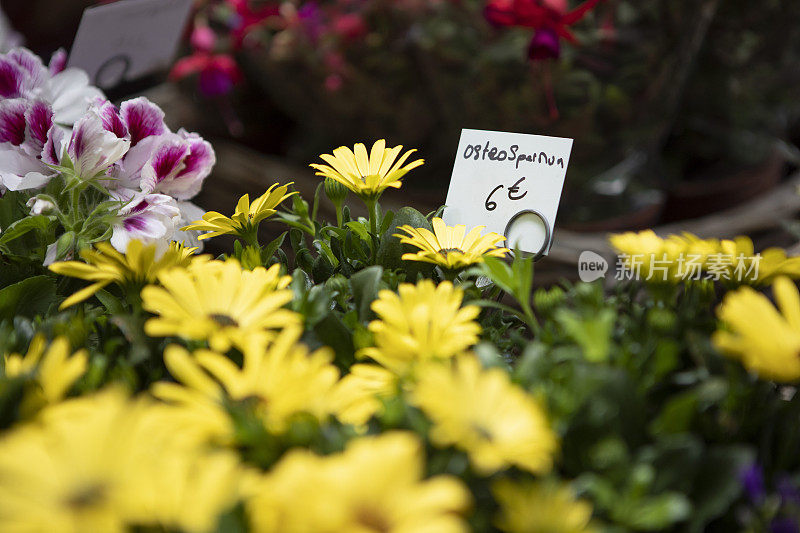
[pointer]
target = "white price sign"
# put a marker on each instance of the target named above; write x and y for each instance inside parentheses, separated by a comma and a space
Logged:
(511, 183)
(128, 39)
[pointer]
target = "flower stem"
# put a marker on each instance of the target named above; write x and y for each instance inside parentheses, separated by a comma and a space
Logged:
(374, 209)
(339, 214)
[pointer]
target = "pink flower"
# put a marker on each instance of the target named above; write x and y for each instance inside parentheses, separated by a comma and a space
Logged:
(218, 73)
(203, 38)
(350, 26)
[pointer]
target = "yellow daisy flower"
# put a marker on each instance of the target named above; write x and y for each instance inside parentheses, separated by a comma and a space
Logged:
(759, 269)
(133, 269)
(54, 371)
(765, 339)
(421, 322)
(106, 463)
(451, 247)
(480, 411)
(649, 257)
(367, 175)
(219, 302)
(246, 216)
(283, 379)
(376, 484)
(540, 506)
(357, 397)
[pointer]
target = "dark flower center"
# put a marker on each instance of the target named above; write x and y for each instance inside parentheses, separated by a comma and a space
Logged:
(86, 496)
(224, 320)
(482, 431)
(374, 520)
(445, 251)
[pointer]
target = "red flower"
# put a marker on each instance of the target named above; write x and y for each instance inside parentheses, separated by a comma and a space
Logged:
(551, 15)
(247, 18)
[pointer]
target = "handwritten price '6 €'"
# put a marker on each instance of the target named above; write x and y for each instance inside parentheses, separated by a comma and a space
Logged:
(513, 194)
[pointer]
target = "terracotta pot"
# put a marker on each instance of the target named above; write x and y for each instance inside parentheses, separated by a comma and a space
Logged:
(693, 199)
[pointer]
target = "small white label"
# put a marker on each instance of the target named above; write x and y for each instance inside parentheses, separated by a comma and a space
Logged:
(128, 39)
(501, 176)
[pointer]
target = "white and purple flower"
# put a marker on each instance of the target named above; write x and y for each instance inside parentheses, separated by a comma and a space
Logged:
(51, 117)
(23, 75)
(92, 148)
(29, 140)
(151, 218)
(178, 166)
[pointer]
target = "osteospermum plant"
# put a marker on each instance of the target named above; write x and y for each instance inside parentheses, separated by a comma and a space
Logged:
(358, 377)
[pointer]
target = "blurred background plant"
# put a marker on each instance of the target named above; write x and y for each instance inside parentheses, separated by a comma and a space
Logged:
(677, 103)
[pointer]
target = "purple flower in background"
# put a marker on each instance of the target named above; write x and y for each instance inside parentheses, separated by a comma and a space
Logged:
(215, 80)
(752, 478)
(784, 525)
(310, 17)
(545, 44)
(151, 218)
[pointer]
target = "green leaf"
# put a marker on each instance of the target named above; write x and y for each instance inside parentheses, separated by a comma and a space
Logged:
(391, 250)
(332, 332)
(28, 298)
(361, 230)
(387, 221)
(655, 513)
(522, 268)
(365, 289)
(500, 273)
(593, 334)
(38, 223)
(269, 250)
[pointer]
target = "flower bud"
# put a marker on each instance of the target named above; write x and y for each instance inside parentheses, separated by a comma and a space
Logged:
(335, 191)
(251, 258)
(338, 283)
(40, 206)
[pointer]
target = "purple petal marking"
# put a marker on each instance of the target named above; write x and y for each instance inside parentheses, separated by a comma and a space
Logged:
(135, 224)
(52, 150)
(143, 119)
(141, 206)
(39, 119)
(167, 160)
(58, 61)
(12, 79)
(200, 159)
(29, 62)
(112, 122)
(12, 121)
(78, 141)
